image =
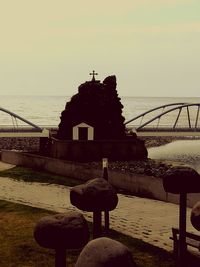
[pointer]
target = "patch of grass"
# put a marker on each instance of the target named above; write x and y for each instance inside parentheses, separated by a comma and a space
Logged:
(19, 249)
(32, 175)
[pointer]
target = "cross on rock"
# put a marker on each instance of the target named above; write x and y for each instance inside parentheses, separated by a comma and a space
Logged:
(93, 75)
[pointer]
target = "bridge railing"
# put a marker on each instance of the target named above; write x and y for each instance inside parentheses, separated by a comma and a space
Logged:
(180, 117)
(18, 129)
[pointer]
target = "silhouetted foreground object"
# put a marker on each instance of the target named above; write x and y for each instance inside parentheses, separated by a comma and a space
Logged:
(97, 104)
(105, 252)
(61, 232)
(195, 216)
(96, 195)
(92, 126)
(181, 180)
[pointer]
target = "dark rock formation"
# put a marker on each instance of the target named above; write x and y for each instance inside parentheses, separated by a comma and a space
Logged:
(94, 195)
(105, 252)
(62, 231)
(98, 105)
(195, 216)
(181, 180)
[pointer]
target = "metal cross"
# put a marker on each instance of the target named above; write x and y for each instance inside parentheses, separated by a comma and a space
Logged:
(93, 75)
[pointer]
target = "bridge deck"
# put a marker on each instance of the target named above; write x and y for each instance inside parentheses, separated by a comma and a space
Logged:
(23, 132)
(167, 133)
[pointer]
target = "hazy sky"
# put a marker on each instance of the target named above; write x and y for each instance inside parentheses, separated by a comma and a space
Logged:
(49, 47)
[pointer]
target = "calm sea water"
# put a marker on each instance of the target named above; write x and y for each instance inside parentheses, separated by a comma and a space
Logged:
(184, 151)
(46, 110)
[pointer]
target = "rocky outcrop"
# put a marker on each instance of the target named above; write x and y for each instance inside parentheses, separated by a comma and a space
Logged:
(92, 126)
(98, 105)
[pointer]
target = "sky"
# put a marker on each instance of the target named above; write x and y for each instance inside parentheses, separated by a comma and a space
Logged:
(49, 47)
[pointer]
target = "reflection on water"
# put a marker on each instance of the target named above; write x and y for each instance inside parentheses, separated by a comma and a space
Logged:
(186, 151)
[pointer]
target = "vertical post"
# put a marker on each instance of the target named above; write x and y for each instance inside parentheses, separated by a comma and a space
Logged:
(182, 230)
(105, 176)
(60, 258)
(43, 144)
(188, 113)
(105, 168)
(97, 224)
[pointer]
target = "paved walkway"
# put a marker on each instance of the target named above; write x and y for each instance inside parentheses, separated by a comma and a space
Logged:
(149, 220)
(5, 166)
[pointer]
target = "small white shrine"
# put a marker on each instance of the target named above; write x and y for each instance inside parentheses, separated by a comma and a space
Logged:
(83, 131)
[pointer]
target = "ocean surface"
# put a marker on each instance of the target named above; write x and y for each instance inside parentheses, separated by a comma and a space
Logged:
(46, 110)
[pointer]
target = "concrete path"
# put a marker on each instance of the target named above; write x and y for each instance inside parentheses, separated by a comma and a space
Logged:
(146, 219)
(5, 166)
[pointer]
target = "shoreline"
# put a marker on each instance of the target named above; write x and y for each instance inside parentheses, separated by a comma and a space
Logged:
(160, 141)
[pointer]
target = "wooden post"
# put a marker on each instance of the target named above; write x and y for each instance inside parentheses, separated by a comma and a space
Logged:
(105, 176)
(182, 231)
(60, 258)
(97, 231)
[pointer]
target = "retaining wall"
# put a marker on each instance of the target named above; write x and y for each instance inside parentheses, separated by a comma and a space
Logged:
(95, 150)
(137, 184)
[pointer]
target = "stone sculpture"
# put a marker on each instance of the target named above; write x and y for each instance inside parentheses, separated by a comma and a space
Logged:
(103, 252)
(61, 232)
(96, 195)
(182, 180)
(195, 216)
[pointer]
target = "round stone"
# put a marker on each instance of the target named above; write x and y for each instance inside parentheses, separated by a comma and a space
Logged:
(181, 179)
(95, 195)
(103, 252)
(195, 216)
(67, 231)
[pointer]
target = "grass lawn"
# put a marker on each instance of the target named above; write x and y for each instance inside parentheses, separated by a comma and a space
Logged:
(19, 249)
(30, 175)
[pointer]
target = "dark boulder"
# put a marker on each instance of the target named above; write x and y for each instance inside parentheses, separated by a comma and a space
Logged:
(94, 195)
(62, 231)
(181, 179)
(195, 216)
(103, 252)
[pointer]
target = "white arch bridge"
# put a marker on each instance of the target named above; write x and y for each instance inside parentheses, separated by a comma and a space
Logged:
(20, 127)
(175, 119)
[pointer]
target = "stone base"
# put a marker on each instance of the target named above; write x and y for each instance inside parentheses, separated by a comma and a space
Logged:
(128, 149)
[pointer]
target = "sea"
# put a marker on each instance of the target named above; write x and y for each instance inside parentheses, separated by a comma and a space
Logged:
(46, 110)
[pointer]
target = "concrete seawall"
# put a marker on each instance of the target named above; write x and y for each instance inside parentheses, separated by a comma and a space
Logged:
(136, 184)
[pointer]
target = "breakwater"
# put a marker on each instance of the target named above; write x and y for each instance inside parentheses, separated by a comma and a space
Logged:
(20, 143)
